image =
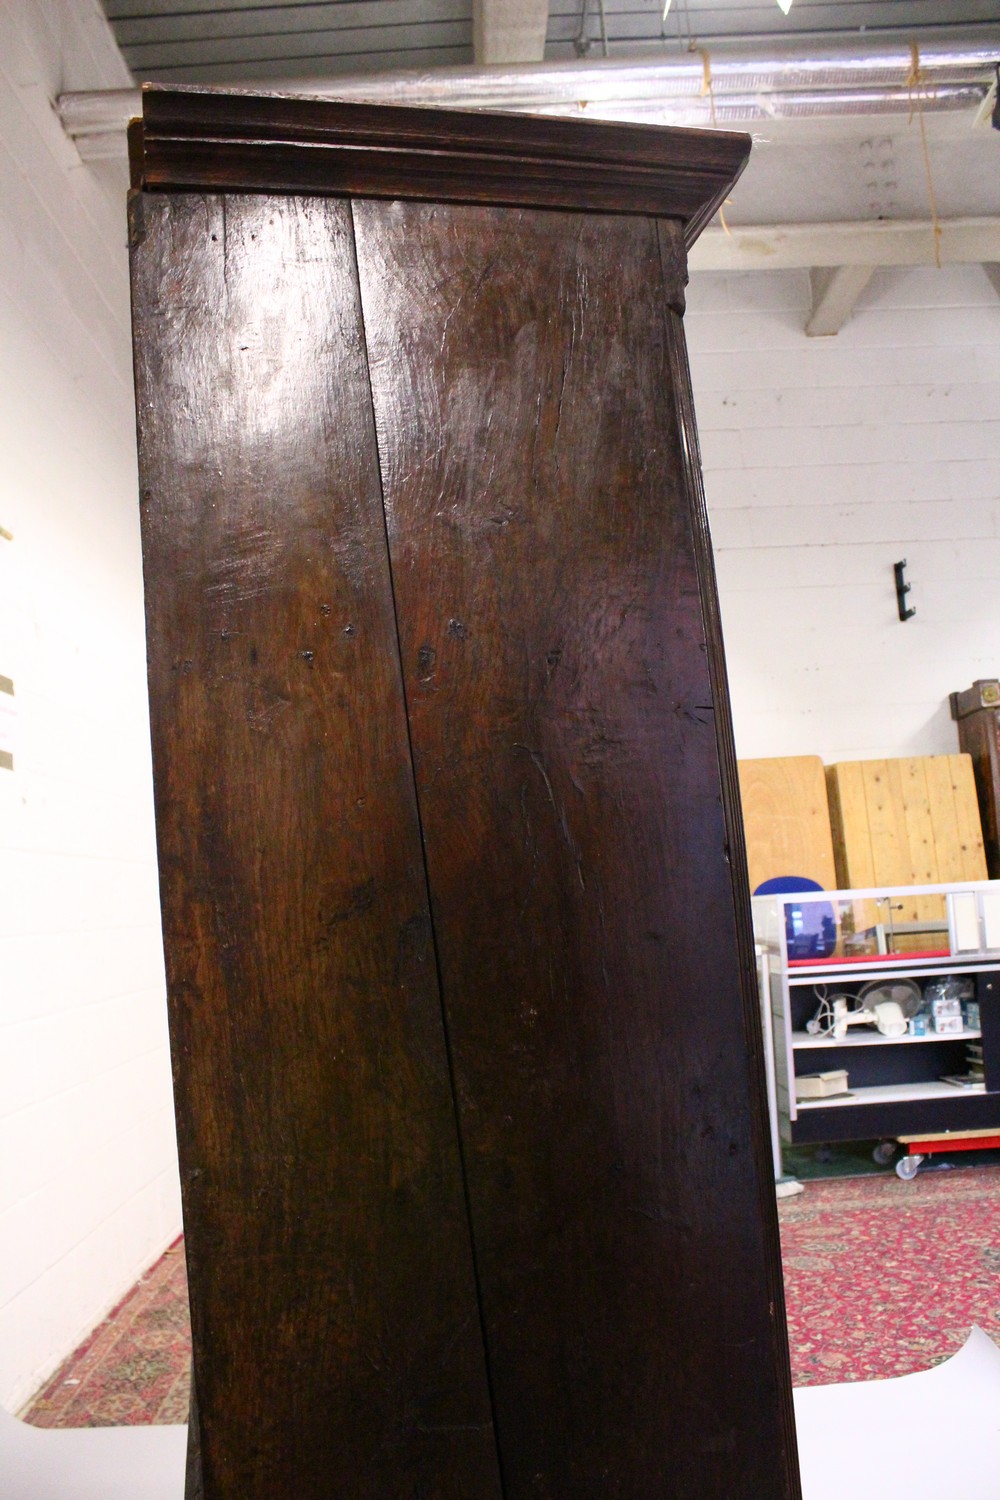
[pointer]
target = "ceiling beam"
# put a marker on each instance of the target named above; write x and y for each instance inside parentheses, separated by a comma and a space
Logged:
(782, 247)
(835, 290)
(509, 31)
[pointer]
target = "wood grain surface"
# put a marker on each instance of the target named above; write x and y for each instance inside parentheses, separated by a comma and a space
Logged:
(776, 1417)
(195, 138)
(562, 669)
(908, 821)
(337, 1340)
(786, 818)
(979, 737)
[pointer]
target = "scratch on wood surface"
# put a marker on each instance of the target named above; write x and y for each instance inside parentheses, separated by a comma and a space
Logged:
(557, 809)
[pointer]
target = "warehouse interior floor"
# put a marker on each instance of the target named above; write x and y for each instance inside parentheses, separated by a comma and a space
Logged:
(882, 1278)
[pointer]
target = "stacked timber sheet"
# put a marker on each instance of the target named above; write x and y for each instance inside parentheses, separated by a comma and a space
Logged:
(912, 821)
(873, 823)
(787, 819)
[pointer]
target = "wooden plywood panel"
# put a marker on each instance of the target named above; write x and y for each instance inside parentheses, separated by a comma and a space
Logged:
(958, 830)
(892, 860)
(968, 819)
(949, 860)
(908, 788)
(852, 844)
(908, 821)
(917, 857)
(545, 548)
(886, 825)
(786, 819)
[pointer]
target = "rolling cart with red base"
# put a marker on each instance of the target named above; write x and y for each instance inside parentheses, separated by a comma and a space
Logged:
(917, 1147)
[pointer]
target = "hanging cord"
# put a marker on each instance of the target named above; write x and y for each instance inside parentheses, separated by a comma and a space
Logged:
(687, 23)
(604, 27)
(581, 42)
(706, 82)
(709, 91)
(914, 82)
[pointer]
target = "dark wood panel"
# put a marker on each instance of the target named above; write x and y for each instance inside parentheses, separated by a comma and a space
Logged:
(779, 1405)
(337, 1340)
(548, 571)
(191, 138)
(979, 736)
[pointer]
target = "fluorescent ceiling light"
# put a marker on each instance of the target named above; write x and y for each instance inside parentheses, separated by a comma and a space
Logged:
(666, 7)
(786, 5)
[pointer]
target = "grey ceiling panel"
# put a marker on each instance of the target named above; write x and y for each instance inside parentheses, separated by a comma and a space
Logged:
(705, 21)
(120, 10)
(198, 41)
(311, 66)
(283, 47)
(204, 41)
(277, 20)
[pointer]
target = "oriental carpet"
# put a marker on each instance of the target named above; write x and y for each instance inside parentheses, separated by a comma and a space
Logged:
(882, 1278)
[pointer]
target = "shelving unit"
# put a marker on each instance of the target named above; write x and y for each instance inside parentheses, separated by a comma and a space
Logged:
(823, 943)
(801, 1039)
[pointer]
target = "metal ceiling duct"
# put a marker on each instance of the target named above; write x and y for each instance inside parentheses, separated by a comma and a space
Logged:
(545, 84)
(742, 110)
(830, 81)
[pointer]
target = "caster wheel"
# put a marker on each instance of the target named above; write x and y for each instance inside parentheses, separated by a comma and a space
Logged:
(907, 1167)
(884, 1153)
(824, 1154)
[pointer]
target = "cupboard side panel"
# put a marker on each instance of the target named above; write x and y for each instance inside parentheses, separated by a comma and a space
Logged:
(781, 1407)
(337, 1344)
(562, 720)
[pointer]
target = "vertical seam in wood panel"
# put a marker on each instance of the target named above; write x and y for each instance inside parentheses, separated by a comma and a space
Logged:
(726, 752)
(427, 879)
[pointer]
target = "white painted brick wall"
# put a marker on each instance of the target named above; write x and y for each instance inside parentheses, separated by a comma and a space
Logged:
(826, 460)
(88, 1175)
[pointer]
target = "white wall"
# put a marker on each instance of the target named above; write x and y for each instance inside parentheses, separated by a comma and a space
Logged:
(88, 1177)
(826, 461)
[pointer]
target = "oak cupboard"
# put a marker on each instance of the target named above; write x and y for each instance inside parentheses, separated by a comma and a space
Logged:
(477, 1190)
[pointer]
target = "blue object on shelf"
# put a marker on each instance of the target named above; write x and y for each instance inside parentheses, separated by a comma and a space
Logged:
(810, 928)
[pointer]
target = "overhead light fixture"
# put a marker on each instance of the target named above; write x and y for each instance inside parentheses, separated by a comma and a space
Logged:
(785, 5)
(666, 7)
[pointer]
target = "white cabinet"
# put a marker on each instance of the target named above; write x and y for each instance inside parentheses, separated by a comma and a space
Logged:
(825, 947)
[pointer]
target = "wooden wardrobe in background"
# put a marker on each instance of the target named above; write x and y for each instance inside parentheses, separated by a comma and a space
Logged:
(477, 1191)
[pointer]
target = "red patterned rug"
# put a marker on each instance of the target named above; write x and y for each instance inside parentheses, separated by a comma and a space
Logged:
(882, 1277)
(135, 1367)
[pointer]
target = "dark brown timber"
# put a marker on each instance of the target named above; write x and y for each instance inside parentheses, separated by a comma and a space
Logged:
(337, 1343)
(477, 1192)
(977, 712)
(551, 591)
(193, 138)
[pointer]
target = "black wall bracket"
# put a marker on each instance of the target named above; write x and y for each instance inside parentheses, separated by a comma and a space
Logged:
(902, 589)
